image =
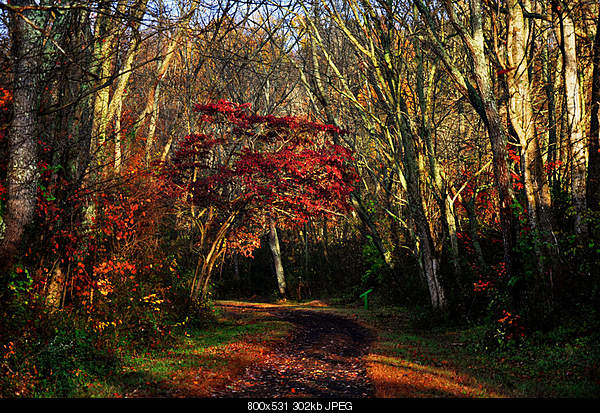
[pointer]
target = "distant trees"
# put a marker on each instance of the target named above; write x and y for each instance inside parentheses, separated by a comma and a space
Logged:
(409, 56)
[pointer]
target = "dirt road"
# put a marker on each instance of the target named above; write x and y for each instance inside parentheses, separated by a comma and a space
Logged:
(322, 358)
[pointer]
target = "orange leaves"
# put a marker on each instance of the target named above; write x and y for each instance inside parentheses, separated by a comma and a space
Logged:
(109, 272)
(510, 326)
(6, 98)
(117, 268)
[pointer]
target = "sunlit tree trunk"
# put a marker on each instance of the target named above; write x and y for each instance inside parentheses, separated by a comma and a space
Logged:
(425, 99)
(429, 259)
(593, 182)
(482, 97)
(575, 124)
(521, 114)
(150, 112)
(212, 247)
(56, 285)
(106, 38)
(70, 38)
(394, 133)
(276, 253)
(118, 142)
(474, 41)
(115, 106)
(549, 74)
(315, 87)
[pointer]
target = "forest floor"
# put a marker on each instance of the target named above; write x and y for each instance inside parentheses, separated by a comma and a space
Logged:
(264, 350)
(335, 352)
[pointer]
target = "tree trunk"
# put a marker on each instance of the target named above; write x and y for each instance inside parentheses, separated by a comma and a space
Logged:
(575, 124)
(105, 38)
(22, 175)
(56, 287)
(152, 103)
(206, 263)
(549, 74)
(521, 113)
(276, 252)
(115, 105)
(593, 182)
(475, 45)
(428, 255)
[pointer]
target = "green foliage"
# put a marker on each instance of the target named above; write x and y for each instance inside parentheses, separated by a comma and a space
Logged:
(376, 266)
(426, 318)
(53, 357)
(18, 281)
(68, 360)
(199, 313)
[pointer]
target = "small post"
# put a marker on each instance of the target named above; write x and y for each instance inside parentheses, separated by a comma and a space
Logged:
(365, 294)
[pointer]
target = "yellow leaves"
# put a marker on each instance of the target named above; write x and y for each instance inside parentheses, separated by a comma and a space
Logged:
(154, 301)
(173, 266)
(102, 325)
(104, 287)
(366, 95)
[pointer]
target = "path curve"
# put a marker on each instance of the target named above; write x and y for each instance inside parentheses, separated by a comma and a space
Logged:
(322, 358)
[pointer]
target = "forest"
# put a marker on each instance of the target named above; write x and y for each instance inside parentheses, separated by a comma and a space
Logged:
(168, 167)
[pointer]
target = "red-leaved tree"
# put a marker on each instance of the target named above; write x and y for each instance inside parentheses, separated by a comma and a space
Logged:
(246, 171)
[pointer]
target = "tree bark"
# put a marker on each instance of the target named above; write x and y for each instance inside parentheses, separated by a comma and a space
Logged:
(593, 180)
(521, 111)
(150, 112)
(483, 100)
(105, 41)
(22, 172)
(476, 47)
(276, 253)
(575, 126)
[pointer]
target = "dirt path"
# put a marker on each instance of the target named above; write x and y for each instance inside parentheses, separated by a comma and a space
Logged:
(322, 358)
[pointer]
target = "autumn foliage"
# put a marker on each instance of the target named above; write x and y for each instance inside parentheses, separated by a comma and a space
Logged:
(286, 168)
(247, 170)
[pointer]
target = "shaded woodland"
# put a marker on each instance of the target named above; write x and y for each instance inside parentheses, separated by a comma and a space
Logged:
(156, 155)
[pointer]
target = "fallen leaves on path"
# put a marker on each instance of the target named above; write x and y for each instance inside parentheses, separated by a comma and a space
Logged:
(323, 358)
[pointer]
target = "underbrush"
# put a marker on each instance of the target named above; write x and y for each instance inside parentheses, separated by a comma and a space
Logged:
(55, 358)
(67, 356)
(563, 361)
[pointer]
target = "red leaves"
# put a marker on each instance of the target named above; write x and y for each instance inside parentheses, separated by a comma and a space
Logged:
(286, 168)
(504, 71)
(514, 156)
(240, 116)
(6, 98)
(511, 326)
(553, 166)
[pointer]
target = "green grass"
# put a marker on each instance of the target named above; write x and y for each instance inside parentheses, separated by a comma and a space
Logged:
(70, 365)
(195, 349)
(564, 362)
